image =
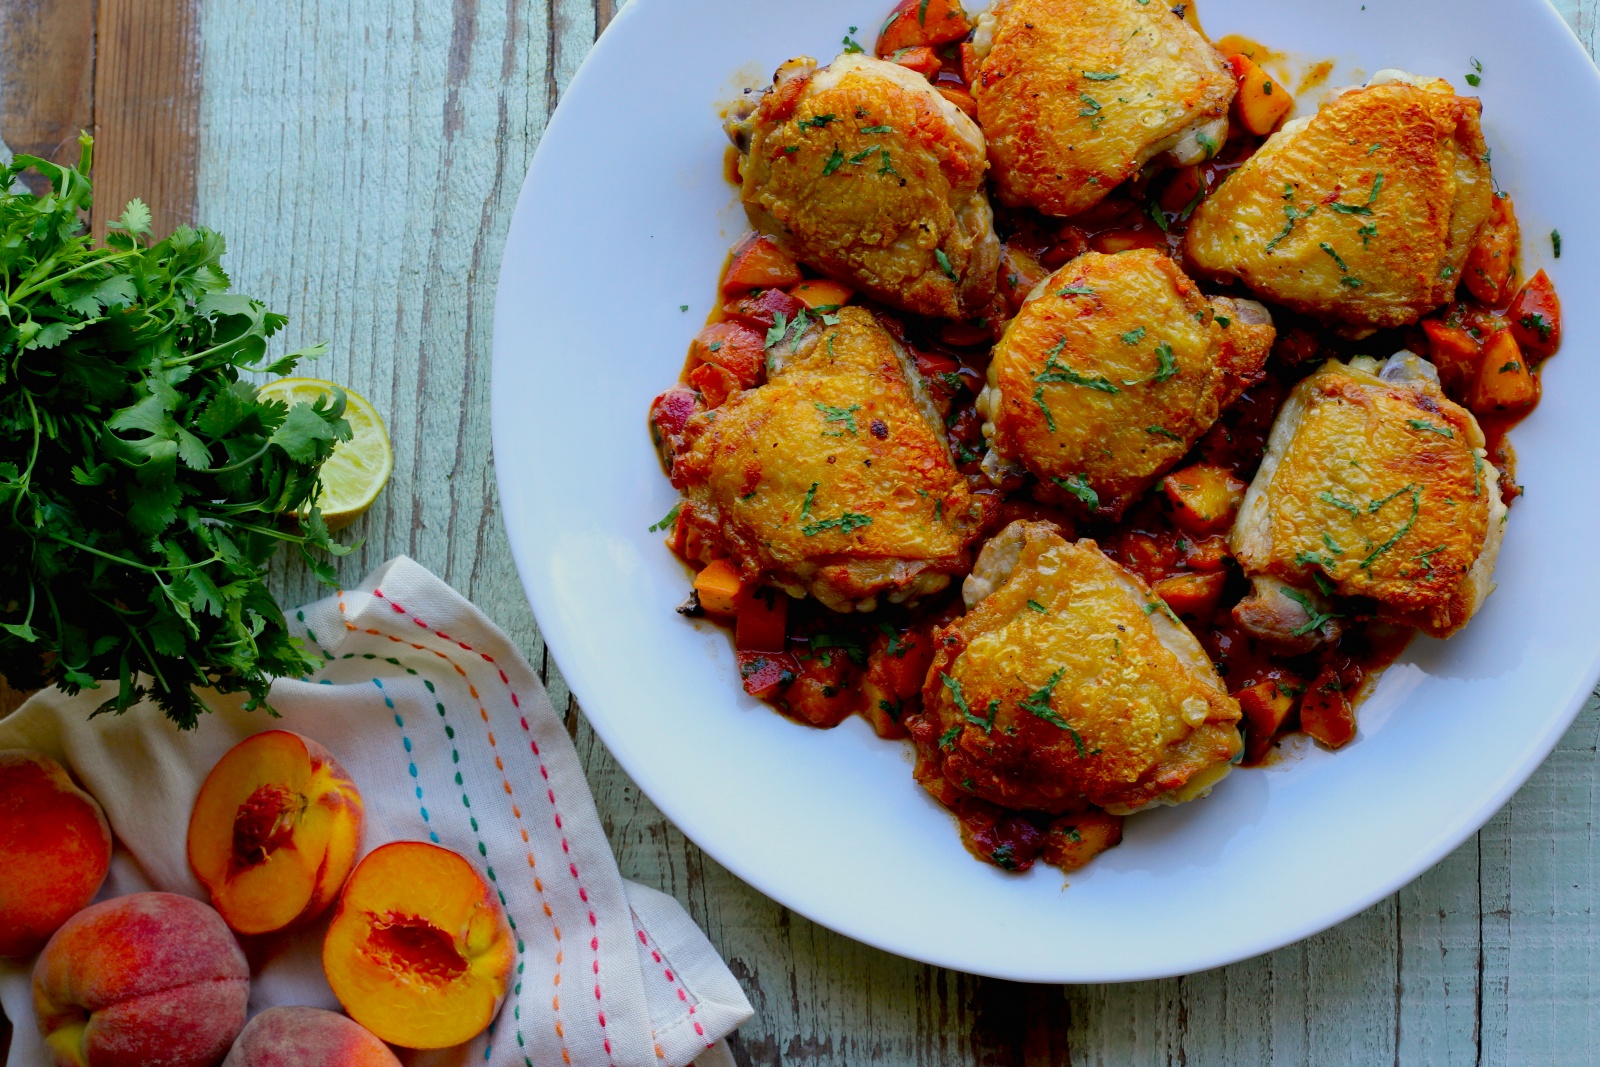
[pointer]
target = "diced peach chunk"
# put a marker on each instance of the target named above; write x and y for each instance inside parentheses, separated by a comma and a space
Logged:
(1535, 318)
(922, 22)
(758, 263)
(274, 831)
(1504, 381)
(822, 294)
(139, 980)
(1261, 102)
(920, 58)
(308, 1037)
(1455, 353)
(55, 847)
(718, 585)
(1192, 594)
(1204, 498)
(1266, 706)
(1326, 712)
(1492, 260)
(1074, 840)
(419, 951)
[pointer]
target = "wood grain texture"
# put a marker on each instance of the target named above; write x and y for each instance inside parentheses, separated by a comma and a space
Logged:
(363, 157)
(146, 109)
(46, 78)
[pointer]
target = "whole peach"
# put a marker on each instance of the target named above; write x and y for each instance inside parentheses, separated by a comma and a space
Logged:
(55, 847)
(307, 1037)
(145, 980)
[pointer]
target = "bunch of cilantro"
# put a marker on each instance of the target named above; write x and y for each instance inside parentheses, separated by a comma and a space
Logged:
(143, 484)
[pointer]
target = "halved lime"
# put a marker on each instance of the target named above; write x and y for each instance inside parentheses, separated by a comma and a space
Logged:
(357, 471)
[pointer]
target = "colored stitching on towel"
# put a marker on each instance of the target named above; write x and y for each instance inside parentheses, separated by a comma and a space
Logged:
(411, 764)
(572, 868)
(672, 980)
(516, 812)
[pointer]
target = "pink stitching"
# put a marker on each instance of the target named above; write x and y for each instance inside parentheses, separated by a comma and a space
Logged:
(534, 746)
(644, 939)
(516, 811)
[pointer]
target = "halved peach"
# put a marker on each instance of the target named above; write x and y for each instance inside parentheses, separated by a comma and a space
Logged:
(419, 950)
(274, 831)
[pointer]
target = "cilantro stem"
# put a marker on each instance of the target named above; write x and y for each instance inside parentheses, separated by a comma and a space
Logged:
(127, 562)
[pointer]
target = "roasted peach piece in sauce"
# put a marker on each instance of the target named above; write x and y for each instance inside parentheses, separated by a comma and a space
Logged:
(142, 980)
(55, 847)
(307, 1037)
(419, 951)
(274, 831)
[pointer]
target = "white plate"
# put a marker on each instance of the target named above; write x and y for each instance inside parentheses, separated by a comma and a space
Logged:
(625, 216)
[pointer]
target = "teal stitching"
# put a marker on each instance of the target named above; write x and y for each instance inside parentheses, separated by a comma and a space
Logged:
(466, 802)
(411, 764)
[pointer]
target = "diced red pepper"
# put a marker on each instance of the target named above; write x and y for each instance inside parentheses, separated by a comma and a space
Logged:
(669, 414)
(761, 621)
(766, 674)
(1535, 318)
(922, 22)
(758, 263)
(762, 309)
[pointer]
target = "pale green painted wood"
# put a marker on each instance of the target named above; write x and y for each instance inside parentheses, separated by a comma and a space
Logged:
(364, 156)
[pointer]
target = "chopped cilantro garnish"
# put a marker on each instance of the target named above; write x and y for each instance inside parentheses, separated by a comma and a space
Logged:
(896, 647)
(811, 494)
(1040, 608)
(947, 740)
(1166, 366)
(877, 129)
(1555, 242)
(1423, 424)
(845, 523)
(1350, 282)
(1075, 290)
(670, 518)
(833, 163)
(960, 700)
(1208, 142)
(848, 645)
(1361, 209)
(1080, 489)
(845, 417)
(1101, 75)
(1326, 247)
(1133, 336)
(1002, 854)
(1416, 506)
(1317, 618)
(1162, 431)
(1293, 215)
(1368, 232)
(861, 156)
(1056, 371)
(1537, 324)
(1038, 398)
(1342, 505)
(851, 47)
(1475, 79)
(944, 264)
(1037, 704)
(815, 122)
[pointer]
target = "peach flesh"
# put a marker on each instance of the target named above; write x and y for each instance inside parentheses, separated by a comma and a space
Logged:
(145, 980)
(274, 831)
(55, 848)
(419, 950)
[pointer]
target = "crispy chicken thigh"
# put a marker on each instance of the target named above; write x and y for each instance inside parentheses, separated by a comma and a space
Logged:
(1374, 484)
(1362, 214)
(864, 172)
(1075, 96)
(1066, 683)
(835, 477)
(1111, 371)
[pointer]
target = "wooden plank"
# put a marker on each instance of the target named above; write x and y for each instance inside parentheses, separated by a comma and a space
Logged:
(46, 78)
(146, 109)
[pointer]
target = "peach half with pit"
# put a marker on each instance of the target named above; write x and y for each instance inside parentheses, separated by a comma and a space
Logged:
(307, 1037)
(274, 831)
(419, 950)
(145, 980)
(55, 848)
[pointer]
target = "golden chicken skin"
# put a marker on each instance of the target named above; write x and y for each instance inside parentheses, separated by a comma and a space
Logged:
(1076, 96)
(1373, 485)
(835, 477)
(1110, 372)
(863, 171)
(1067, 683)
(1362, 214)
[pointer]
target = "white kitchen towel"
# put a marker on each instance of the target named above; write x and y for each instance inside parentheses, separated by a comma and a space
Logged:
(451, 739)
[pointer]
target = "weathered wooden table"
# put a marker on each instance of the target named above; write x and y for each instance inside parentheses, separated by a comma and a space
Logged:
(363, 157)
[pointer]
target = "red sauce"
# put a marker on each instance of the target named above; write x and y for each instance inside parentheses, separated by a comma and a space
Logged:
(834, 665)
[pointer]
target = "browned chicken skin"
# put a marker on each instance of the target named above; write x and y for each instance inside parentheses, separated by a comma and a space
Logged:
(835, 477)
(1067, 683)
(1361, 215)
(865, 173)
(1076, 96)
(1374, 484)
(1111, 372)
